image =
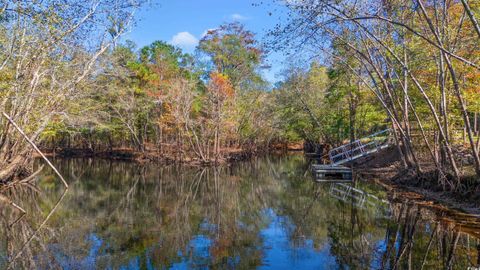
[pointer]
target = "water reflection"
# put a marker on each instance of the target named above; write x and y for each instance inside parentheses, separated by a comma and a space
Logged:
(360, 199)
(260, 214)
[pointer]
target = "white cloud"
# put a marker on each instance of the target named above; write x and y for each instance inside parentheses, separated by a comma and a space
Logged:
(184, 40)
(238, 17)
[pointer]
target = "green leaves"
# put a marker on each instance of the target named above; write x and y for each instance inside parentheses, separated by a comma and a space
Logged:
(234, 52)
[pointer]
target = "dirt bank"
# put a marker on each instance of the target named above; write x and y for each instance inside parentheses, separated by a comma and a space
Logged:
(385, 169)
(229, 155)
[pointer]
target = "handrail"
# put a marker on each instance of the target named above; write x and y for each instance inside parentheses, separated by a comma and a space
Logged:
(351, 150)
(362, 147)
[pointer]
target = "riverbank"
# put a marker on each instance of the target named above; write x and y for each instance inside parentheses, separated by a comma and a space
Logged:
(385, 169)
(127, 154)
(228, 155)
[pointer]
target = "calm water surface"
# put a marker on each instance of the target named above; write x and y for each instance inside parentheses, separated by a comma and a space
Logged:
(263, 214)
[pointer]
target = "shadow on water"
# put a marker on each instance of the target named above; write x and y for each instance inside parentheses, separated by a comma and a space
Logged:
(261, 214)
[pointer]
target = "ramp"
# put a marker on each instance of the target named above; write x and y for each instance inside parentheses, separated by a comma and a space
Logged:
(360, 148)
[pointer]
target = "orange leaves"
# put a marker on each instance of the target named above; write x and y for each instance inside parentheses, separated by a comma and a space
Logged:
(472, 81)
(472, 90)
(220, 84)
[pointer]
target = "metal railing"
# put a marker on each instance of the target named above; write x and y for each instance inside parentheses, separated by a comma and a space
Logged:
(360, 147)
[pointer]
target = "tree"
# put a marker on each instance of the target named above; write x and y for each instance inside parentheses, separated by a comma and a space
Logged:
(219, 91)
(235, 53)
(51, 52)
(411, 57)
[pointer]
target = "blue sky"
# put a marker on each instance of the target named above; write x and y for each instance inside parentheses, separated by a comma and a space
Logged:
(183, 22)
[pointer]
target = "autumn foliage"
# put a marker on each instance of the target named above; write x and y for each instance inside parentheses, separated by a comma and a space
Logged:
(221, 85)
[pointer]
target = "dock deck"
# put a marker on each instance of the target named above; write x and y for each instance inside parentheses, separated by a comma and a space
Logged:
(335, 172)
(329, 173)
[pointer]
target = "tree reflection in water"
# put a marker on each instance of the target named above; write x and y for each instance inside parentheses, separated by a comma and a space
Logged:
(262, 213)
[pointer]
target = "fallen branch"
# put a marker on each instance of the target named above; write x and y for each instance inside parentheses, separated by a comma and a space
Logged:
(36, 148)
(10, 202)
(23, 181)
(32, 176)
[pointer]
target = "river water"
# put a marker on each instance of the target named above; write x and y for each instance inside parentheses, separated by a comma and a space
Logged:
(262, 214)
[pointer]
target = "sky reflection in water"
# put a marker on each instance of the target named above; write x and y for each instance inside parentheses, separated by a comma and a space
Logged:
(261, 214)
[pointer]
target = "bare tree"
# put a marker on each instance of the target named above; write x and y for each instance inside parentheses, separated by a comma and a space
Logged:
(50, 51)
(401, 48)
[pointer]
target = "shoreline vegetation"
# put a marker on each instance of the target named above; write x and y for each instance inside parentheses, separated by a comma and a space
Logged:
(354, 68)
(383, 168)
(229, 155)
